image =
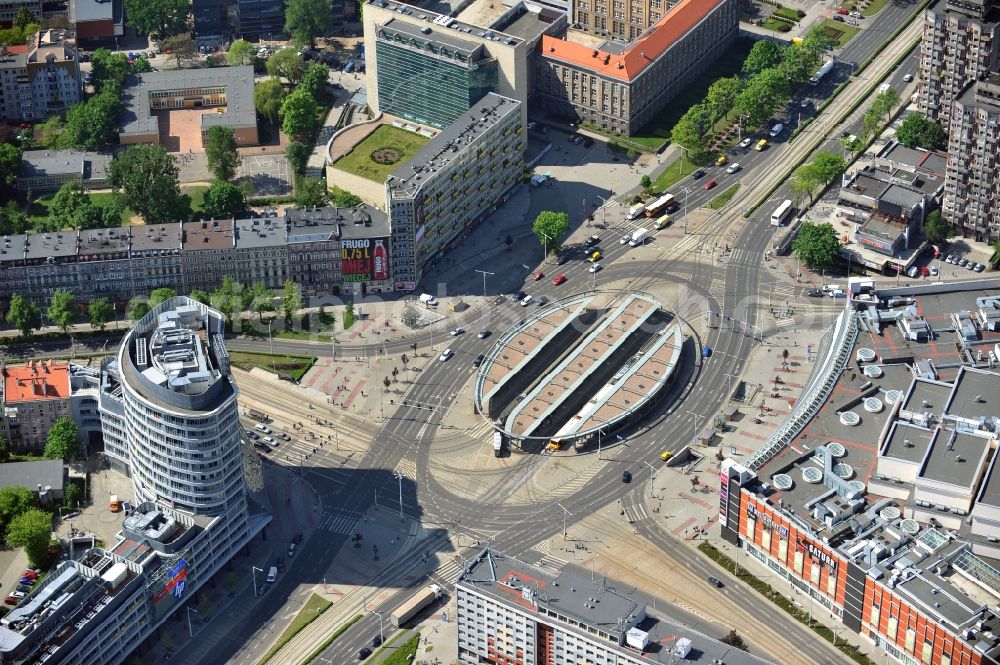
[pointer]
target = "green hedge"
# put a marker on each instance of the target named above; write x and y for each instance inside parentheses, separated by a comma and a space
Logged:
(334, 635)
(403, 654)
(766, 590)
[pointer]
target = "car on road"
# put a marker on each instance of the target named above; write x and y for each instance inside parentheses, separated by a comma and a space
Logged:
(665, 455)
(559, 280)
(908, 77)
(706, 352)
(457, 331)
(595, 268)
(721, 161)
(710, 184)
(284, 436)
(595, 257)
(697, 174)
(626, 477)
(733, 168)
(377, 641)
(447, 353)
(526, 301)
(543, 300)
(761, 145)
(715, 581)
(519, 295)
(746, 143)
(563, 258)
(624, 239)
(479, 360)
(291, 550)
(672, 208)
(593, 240)
(538, 275)
(483, 334)
(270, 441)
(815, 293)
(364, 653)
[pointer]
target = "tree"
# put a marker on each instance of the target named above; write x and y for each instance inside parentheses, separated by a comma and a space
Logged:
(817, 173)
(61, 442)
(291, 301)
(100, 311)
(549, 226)
(72, 495)
(61, 309)
(67, 202)
(310, 192)
(886, 102)
(223, 199)
(917, 131)
(645, 182)
(798, 63)
(23, 18)
(13, 221)
(733, 639)
(94, 123)
(52, 133)
(160, 295)
(286, 63)
(226, 298)
(267, 98)
(31, 530)
(691, 131)
(937, 228)
(816, 245)
(221, 151)
(297, 154)
(108, 69)
(299, 114)
(241, 52)
(761, 95)
(201, 296)
(158, 17)
(765, 54)
(4, 451)
(314, 78)
(24, 315)
(721, 96)
(182, 47)
(138, 309)
(343, 198)
(10, 164)
(308, 19)
(14, 501)
(147, 178)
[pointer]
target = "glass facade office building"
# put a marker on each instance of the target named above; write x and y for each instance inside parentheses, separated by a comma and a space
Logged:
(430, 80)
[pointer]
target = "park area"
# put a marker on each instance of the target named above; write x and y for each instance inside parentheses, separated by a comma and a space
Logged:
(39, 209)
(381, 153)
(839, 32)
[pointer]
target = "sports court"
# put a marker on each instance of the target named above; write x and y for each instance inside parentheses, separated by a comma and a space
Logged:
(180, 129)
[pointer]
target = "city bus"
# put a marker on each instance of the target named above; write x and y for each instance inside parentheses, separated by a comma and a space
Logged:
(781, 214)
(657, 206)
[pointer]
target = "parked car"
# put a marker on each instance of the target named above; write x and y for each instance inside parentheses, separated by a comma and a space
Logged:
(519, 295)
(593, 240)
(27, 581)
(934, 271)
(24, 588)
(962, 262)
(971, 265)
(284, 436)
(377, 640)
(11, 600)
(815, 293)
(483, 334)
(291, 550)
(270, 441)
(29, 573)
(980, 267)
(559, 279)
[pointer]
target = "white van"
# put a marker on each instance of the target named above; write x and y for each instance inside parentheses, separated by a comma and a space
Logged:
(776, 129)
(272, 574)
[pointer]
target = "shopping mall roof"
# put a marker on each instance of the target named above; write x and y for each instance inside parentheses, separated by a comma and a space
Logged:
(647, 49)
(956, 458)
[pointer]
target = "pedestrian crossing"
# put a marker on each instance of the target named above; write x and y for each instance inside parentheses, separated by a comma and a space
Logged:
(336, 520)
(636, 513)
(449, 571)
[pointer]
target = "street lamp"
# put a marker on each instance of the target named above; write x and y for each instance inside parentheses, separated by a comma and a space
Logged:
(697, 421)
(270, 343)
(682, 157)
(189, 611)
(484, 274)
(253, 570)
(381, 637)
(399, 476)
(565, 513)
(652, 480)
(686, 190)
(545, 245)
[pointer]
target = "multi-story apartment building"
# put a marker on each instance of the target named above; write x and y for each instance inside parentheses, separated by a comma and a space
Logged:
(961, 42)
(169, 410)
(48, 170)
(972, 179)
(622, 20)
(339, 251)
(261, 251)
(621, 89)
(453, 183)
(430, 68)
(39, 79)
(34, 396)
(509, 612)
(206, 253)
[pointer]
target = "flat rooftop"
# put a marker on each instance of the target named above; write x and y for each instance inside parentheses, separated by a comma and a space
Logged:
(572, 593)
(12, 248)
(259, 232)
(151, 238)
(58, 244)
(976, 394)
(207, 234)
(97, 244)
(63, 163)
(907, 442)
(956, 458)
(926, 395)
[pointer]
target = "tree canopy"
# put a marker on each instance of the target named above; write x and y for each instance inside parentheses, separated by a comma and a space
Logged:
(181, 47)
(267, 98)
(158, 17)
(818, 173)
(147, 177)
(291, 300)
(816, 245)
(223, 199)
(549, 226)
(298, 156)
(10, 164)
(14, 501)
(343, 198)
(241, 52)
(917, 131)
(31, 530)
(61, 442)
(299, 114)
(310, 191)
(24, 315)
(765, 54)
(100, 311)
(94, 123)
(314, 78)
(937, 228)
(221, 152)
(160, 295)
(61, 310)
(692, 131)
(762, 95)
(306, 20)
(286, 63)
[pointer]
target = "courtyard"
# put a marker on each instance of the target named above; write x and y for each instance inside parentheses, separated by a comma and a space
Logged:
(180, 129)
(382, 152)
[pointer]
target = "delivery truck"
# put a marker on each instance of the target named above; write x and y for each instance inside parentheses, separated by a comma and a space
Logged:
(638, 237)
(497, 444)
(636, 211)
(414, 604)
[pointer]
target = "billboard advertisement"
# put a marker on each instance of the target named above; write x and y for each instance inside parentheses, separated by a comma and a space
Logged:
(175, 582)
(364, 259)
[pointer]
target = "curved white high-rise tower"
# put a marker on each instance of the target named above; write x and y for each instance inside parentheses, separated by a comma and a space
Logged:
(180, 419)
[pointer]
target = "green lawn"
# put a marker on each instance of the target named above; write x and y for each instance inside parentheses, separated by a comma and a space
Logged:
(40, 206)
(724, 198)
(729, 62)
(315, 606)
(841, 32)
(787, 13)
(294, 366)
(776, 24)
(359, 160)
(673, 174)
